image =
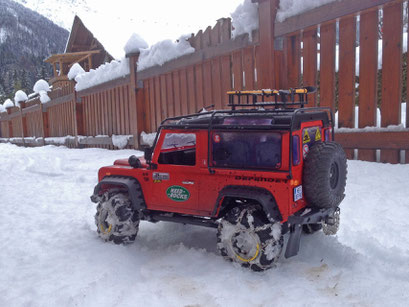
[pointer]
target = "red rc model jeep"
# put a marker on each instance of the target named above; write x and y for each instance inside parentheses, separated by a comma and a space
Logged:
(255, 172)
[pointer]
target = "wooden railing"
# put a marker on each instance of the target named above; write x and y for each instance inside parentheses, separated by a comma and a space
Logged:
(280, 55)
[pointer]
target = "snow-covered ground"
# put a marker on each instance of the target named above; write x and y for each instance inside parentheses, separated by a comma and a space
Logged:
(51, 255)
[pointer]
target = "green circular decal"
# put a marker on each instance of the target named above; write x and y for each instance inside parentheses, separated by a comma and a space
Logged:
(177, 193)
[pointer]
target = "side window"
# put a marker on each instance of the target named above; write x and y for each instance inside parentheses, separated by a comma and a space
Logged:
(246, 149)
(178, 149)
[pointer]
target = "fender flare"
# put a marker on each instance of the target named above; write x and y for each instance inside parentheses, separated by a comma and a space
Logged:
(262, 196)
(131, 185)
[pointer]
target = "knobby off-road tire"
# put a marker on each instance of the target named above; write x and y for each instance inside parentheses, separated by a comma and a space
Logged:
(331, 224)
(324, 176)
(247, 237)
(115, 218)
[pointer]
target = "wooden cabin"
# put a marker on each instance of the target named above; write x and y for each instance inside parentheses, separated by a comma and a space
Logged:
(83, 48)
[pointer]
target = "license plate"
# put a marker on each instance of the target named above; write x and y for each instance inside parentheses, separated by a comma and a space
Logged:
(298, 193)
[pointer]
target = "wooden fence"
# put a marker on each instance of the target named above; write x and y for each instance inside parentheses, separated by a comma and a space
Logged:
(279, 55)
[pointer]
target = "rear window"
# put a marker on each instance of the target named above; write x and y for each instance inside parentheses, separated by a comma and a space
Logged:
(246, 149)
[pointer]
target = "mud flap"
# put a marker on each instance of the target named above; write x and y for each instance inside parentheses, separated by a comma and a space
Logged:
(307, 216)
(293, 244)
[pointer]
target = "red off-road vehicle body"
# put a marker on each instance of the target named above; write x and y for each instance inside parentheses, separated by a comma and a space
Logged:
(205, 187)
(203, 165)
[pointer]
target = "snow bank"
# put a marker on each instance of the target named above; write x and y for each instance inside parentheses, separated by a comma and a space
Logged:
(104, 73)
(245, 19)
(289, 8)
(147, 138)
(120, 141)
(2, 108)
(20, 96)
(41, 85)
(164, 51)
(8, 104)
(135, 44)
(75, 70)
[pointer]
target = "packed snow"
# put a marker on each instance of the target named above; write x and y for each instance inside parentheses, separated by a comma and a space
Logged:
(2, 108)
(289, 8)
(8, 104)
(20, 96)
(51, 255)
(245, 19)
(135, 44)
(41, 85)
(75, 70)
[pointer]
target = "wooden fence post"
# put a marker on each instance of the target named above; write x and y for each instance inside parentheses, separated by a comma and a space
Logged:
(45, 123)
(133, 89)
(10, 123)
(23, 121)
(267, 10)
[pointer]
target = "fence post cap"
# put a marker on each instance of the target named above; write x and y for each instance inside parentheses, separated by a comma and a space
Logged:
(132, 54)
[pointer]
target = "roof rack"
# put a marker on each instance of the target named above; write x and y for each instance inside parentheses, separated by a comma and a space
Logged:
(281, 98)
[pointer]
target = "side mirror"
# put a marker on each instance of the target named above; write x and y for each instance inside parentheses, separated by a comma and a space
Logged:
(134, 162)
(148, 153)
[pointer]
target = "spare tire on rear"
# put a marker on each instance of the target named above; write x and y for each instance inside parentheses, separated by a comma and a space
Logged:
(324, 175)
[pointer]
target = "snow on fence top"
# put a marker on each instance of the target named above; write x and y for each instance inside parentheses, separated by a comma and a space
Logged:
(245, 19)
(44, 97)
(157, 54)
(41, 85)
(75, 70)
(2, 108)
(104, 73)
(290, 8)
(8, 104)
(135, 44)
(164, 51)
(19, 97)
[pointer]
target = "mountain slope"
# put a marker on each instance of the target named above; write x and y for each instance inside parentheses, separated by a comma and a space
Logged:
(61, 12)
(26, 39)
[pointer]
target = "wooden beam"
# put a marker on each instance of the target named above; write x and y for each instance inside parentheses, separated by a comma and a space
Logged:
(374, 140)
(325, 13)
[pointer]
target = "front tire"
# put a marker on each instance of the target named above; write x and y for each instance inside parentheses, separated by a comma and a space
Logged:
(245, 236)
(115, 218)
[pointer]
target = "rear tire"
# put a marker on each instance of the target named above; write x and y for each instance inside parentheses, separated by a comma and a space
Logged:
(116, 220)
(247, 237)
(324, 176)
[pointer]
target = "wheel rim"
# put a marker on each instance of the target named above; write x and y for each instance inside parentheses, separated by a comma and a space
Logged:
(334, 175)
(245, 246)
